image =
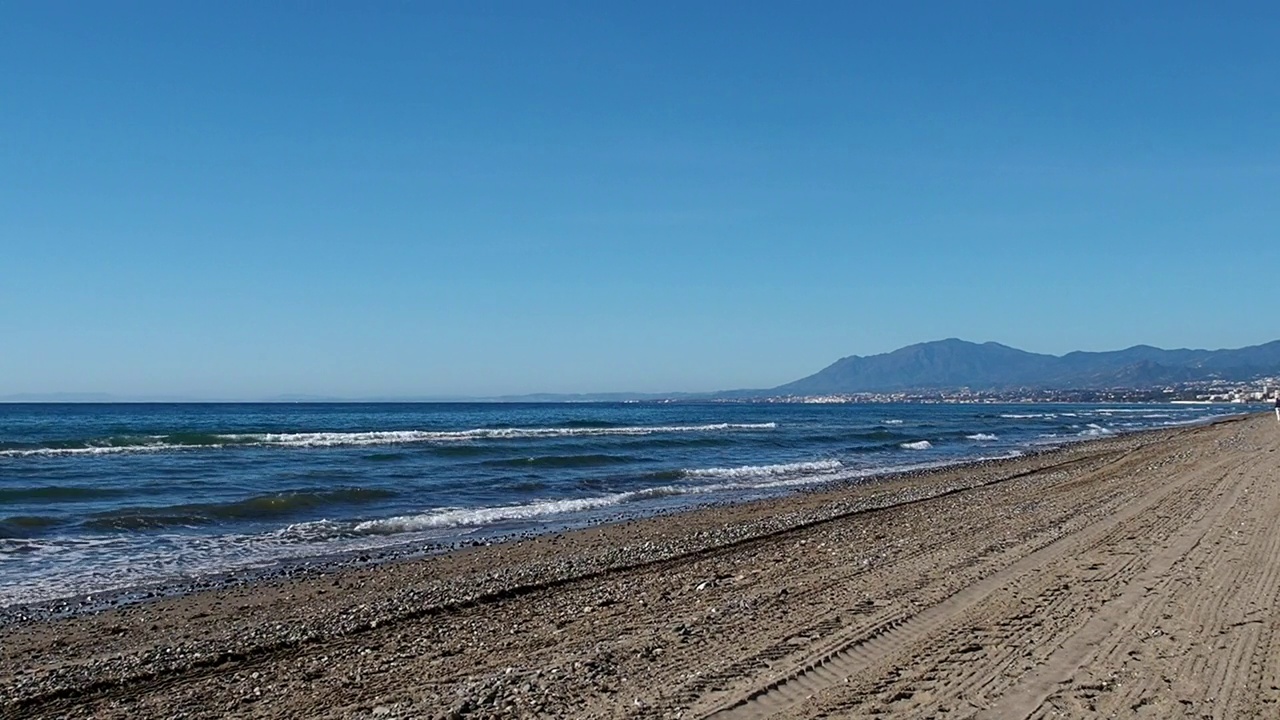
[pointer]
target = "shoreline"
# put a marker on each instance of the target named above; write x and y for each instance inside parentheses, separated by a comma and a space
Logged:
(61, 665)
(325, 564)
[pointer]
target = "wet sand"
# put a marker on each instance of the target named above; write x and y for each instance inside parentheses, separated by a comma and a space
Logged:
(1125, 577)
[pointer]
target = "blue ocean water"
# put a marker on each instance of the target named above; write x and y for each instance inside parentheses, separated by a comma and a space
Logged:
(102, 497)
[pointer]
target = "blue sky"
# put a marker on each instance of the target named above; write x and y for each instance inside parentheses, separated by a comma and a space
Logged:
(241, 200)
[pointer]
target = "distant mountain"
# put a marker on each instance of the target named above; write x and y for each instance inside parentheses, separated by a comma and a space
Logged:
(952, 364)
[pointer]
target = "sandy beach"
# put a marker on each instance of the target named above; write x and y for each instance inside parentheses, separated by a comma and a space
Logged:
(1133, 576)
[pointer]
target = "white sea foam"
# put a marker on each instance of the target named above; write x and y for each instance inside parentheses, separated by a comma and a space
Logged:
(386, 437)
(132, 561)
(892, 422)
(464, 517)
(1147, 411)
(748, 478)
(1194, 421)
(918, 445)
(1026, 416)
(756, 471)
(97, 450)
(982, 436)
(447, 518)
(1093, 430)
(128, 561)
(400, 437)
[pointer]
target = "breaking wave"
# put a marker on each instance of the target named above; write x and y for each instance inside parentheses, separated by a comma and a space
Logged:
(1094, 430)
(745, 478)
(261, 507)
(765, 471)
(181, 441)
(397, 437)
(467, 517)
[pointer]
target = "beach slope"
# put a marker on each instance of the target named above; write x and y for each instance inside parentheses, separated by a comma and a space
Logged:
(1135, 576)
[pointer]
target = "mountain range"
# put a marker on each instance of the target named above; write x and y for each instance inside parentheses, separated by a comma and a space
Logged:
(953, 364)
(950, 364)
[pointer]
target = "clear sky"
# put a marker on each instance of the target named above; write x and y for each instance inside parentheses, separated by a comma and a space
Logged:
(244, 199)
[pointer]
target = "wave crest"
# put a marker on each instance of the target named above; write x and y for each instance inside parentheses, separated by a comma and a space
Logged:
(185, 441)
(397, 437)
(756, 471)
(1095, 430)
(261, 507)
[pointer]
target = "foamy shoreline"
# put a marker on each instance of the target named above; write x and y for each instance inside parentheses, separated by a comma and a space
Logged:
(350, 598)
(323, 564)
(89, 665)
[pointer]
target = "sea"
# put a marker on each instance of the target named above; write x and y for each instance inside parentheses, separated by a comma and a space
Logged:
(104, 498)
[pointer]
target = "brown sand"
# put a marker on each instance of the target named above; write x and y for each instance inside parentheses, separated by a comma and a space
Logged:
(1127, 577)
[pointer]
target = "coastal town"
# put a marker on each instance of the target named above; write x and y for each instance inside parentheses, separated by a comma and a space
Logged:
(1260, 390)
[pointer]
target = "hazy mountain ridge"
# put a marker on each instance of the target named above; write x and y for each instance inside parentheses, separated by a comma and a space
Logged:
(949, 364)
(954, 363)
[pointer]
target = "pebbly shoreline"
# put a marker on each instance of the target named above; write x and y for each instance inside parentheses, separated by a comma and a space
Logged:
(53, 663)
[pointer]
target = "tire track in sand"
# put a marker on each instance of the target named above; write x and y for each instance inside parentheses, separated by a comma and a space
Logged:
(994, 642)
(834, 665)
(1199, 643)
(1030, 693)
